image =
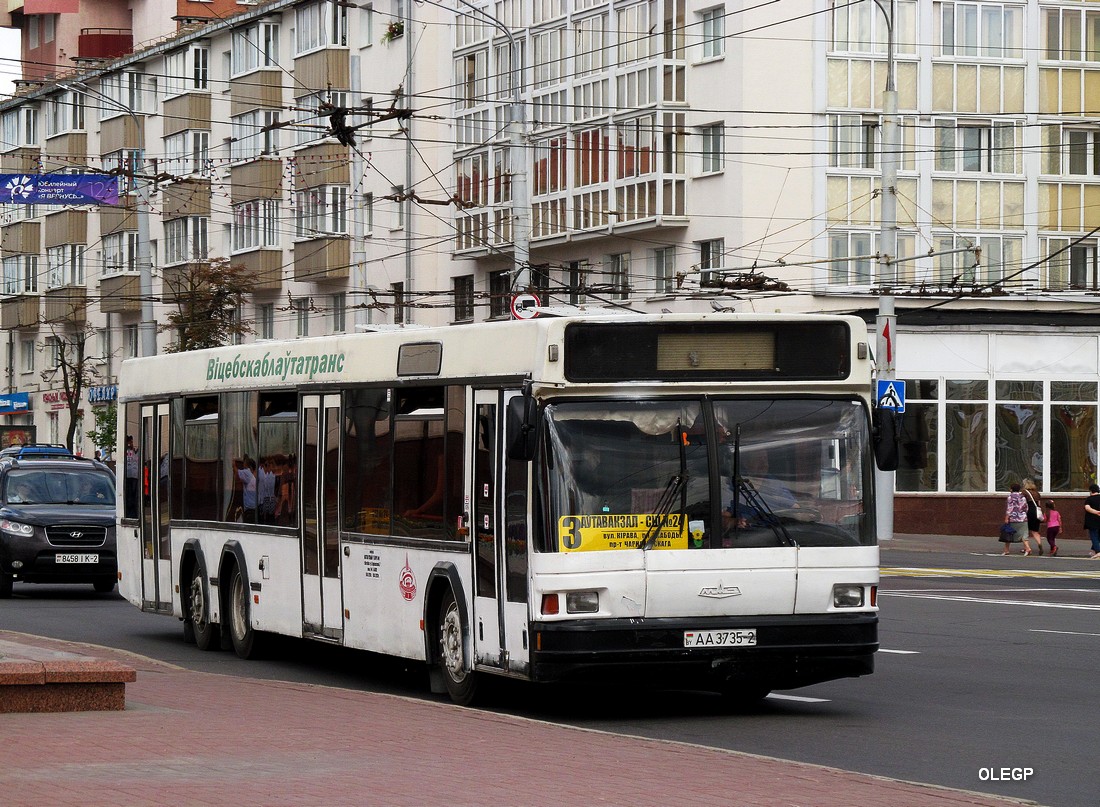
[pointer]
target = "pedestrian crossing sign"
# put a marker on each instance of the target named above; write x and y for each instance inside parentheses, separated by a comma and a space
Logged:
(891, 395)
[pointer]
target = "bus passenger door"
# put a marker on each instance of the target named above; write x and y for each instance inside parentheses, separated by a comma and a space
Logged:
(154, 515)
(500, 575)
(319, 465)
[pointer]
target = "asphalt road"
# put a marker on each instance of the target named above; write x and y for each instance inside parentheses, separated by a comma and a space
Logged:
(977, 673)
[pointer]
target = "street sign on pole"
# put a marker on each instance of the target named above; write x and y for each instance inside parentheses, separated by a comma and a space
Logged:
(525, 306)
(891, 394)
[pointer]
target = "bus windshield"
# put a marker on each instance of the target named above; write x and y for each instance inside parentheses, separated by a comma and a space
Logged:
(688, 474)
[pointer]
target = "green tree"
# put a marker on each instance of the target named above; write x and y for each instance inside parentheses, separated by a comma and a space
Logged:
(208, 296)
(106, 426)
(69, 363)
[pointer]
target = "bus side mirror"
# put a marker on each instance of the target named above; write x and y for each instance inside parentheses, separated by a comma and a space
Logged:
(523, 414)
(886, 435)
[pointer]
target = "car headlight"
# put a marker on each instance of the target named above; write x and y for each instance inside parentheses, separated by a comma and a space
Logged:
(16, 528)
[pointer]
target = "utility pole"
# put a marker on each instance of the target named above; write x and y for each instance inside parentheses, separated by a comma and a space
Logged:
(886, 322)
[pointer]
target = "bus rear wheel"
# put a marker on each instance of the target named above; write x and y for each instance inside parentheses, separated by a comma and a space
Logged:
(197, 613)
(246, 640)
(461, 682)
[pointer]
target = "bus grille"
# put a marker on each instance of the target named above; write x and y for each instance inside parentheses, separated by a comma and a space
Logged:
(76, 535)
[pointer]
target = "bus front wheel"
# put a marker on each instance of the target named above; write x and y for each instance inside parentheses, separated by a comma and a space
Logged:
(460, 681)
(197, 613)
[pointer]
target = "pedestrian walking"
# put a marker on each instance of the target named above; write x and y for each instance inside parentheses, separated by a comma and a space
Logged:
(1092, 519)
(1016, 517)
(1034, 514)
(1054, 525)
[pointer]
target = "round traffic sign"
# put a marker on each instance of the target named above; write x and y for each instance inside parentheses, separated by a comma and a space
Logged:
(525, 306)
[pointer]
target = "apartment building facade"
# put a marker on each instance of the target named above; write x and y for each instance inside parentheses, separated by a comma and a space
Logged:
(678, 155)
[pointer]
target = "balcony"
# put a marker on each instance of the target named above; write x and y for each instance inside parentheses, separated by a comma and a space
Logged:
(321, 260)
(120, 294)
(104, 43)
(19, 312)
(264, 267)
(68, 304)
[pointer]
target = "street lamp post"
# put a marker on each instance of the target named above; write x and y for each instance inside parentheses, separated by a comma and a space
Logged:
(886, 322)
(517, 124)
(147, 328)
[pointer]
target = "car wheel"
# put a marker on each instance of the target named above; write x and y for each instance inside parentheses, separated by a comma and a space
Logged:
(7, 582)
(461, 683)
(207, 635)
(104, 585)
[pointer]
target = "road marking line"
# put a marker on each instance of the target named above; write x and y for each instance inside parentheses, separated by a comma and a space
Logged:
(920, 596)
(1064, 632)
(799, 698)
(917, 571)
(900, 652)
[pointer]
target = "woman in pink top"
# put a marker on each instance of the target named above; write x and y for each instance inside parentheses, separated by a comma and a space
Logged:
(1054, 524)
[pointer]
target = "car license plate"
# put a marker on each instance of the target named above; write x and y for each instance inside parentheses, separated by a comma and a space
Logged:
(82, 558)
(743, 637)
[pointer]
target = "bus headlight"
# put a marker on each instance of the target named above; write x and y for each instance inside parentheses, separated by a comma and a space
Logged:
(846, 596)
(582, 602)
(16, 528)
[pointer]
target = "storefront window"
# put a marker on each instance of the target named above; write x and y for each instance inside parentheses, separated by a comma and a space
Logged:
(965, 429)
(1072, 427)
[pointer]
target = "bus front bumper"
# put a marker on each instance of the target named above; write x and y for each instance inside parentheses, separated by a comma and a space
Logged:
(790, 651)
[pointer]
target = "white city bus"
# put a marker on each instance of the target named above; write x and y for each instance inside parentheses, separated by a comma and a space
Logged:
(545, 499)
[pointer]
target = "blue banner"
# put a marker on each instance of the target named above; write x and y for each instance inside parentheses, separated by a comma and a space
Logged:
(14, 402)
(58, 189)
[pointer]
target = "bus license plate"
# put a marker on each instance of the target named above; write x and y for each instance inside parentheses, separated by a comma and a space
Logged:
(84, 558)
(744, 637)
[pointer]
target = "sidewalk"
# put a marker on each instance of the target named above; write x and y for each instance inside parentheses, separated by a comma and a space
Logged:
(191, 738)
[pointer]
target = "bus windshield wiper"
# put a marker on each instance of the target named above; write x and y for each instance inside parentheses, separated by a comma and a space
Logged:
(676, 486)
(744, 490)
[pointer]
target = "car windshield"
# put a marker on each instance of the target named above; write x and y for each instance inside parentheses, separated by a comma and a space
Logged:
(75, 486)
(705, 474)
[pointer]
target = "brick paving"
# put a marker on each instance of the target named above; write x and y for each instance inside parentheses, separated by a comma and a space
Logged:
(192, 738)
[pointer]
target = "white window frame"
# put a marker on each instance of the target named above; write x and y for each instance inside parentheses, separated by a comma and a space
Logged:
(969, 147)
(187, 70)
(321, 212)
(120, 253)
(255, 224)
(187, 152)
(255, 47)
(712, 26)
(186, 239)
(65, 113)
(712, 139)
(20, 274)
(853, 141)
(978, 30)
(65, 266)
(125, 93)
(255, 135)
(663, 261)
(26, 357)
(20, 127)
(312, 124)
(322, 24)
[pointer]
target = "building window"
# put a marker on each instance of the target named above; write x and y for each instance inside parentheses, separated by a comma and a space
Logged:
(1069, 267)
(664, 268)
(126, 163)
(255, 224)
(977, 147)
(21, 274)
(313, 115)
(398, 194)
(26, 356)
(853, 141)
(1071, 150)
(130, 333)
(368, 214)
(1071, 35)
(338, 303)
(398, 292)
(711, 148)
(464, 298)
(319, 25)
(187, 153)
(321, 211)
(65, 113)
(265, 320)
(301, 306)
(20, 127)
(65, 266)
(185, 239)
(500, 293)
(713, 24)
(123, 91)
(54, 352)
(255, 134)
(186, 70)
(956, 259)
(712, 255)
(618, 276)
(254, 47)
(119, 253)
(861, 28)
(987, 30)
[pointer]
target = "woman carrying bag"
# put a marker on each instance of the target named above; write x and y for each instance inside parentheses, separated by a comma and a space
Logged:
(1034, 514)
(1016, 518)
